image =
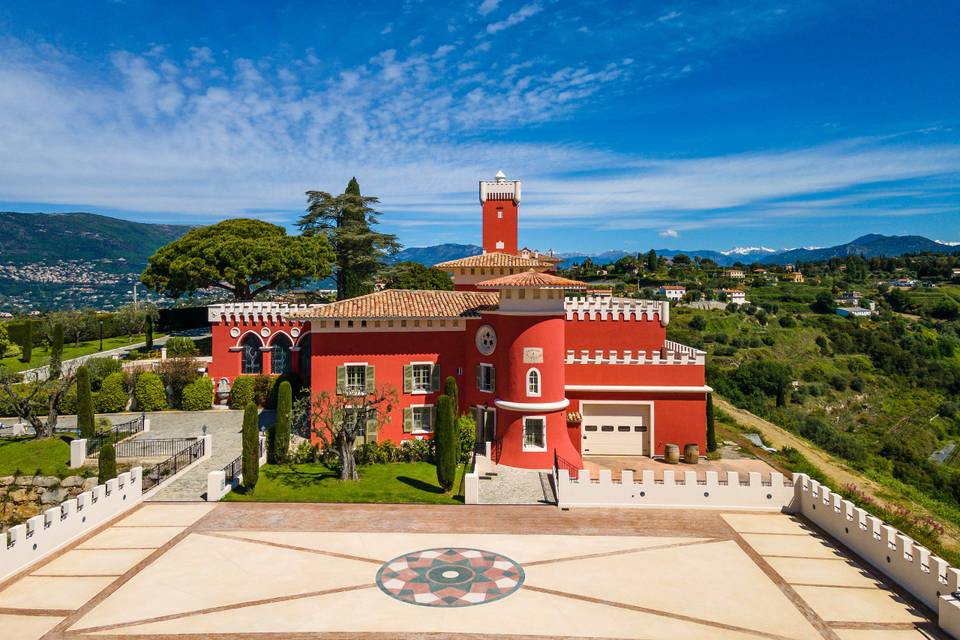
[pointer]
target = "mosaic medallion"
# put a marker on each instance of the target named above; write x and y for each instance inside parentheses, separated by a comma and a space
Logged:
(450, 577)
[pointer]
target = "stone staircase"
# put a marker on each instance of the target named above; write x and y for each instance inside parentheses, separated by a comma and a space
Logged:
(500, 484)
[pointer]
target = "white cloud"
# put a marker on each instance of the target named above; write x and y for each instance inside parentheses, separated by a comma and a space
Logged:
(487, 6)
(387, 29)
(443, 50)
(669, 233)
(515, 18)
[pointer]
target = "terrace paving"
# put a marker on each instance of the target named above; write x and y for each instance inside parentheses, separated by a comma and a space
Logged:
(311, 571)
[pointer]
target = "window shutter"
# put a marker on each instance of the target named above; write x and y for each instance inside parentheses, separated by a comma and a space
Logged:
(372, 425)
(493, 376)
(408, 420)
(479, 377)
(407, 378)
(370, 380)
(435, 374)
(341, 380)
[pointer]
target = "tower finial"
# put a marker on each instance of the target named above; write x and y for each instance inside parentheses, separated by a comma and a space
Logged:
(501, 176)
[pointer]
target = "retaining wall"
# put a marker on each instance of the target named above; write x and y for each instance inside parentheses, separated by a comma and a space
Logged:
(25, 544)
(733, 491)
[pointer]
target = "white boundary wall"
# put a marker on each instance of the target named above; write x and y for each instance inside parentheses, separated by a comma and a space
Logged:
(750, 493)
(25, 544)
(928, 578)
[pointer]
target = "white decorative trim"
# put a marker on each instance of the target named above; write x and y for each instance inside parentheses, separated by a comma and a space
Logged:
(295, 332)
(616, 309)
(265, 332)
(238, 311)
(531, 406)
(671, 353)
(235, 332)
(653, 388)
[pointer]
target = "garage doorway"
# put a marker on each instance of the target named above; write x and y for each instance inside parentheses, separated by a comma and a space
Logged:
(622, 428)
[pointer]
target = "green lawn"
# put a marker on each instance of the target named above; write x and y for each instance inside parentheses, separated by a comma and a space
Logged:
(401, 482)
(41, 355)
(29, 456)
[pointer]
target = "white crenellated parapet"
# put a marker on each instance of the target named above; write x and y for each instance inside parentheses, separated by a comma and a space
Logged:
(668, 355)
(751, 493)
(913, 567)
(25, 544)
(250, 311)
(500, 189)
(616, 309)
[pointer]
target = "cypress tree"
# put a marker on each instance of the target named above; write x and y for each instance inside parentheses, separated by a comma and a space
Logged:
(447, 443)
(26, 347)
(450, 388)
(281, 429)
(652, 262)
(149, 332)
(251, 447)
(56, 352)
(85, 422)
(711, 428)
(107, 463)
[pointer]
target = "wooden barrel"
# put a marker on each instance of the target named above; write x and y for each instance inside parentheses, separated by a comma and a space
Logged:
(691, 453)
(671, 454)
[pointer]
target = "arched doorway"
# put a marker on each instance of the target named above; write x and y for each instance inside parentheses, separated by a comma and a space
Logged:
(252, 358)
(280, 360)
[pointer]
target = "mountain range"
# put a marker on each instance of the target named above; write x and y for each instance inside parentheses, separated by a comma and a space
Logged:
(870, 246)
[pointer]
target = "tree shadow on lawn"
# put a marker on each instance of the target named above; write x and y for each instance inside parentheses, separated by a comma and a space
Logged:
(420, 485)
(295, 478)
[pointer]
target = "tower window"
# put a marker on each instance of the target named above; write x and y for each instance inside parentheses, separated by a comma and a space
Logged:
(499, 214)
(500, 244)
(533, 383)
(534, 434)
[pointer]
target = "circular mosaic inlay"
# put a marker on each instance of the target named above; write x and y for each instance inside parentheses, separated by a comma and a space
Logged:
(451, 577)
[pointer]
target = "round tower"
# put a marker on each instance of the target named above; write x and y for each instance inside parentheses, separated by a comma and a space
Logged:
(530, 354)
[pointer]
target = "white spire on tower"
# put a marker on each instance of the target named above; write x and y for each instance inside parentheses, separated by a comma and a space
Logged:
(501, 176)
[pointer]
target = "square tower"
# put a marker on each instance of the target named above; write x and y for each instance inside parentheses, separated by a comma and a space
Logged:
(500, 199)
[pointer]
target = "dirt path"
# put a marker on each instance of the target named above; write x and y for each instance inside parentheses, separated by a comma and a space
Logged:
(833, 468)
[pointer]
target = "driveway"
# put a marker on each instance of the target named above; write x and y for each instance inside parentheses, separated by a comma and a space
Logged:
(198, 571)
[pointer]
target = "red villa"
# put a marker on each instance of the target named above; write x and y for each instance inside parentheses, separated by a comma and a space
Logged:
(544, 367)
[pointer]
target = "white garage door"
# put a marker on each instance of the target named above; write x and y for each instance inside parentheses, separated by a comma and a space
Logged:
(616, 429)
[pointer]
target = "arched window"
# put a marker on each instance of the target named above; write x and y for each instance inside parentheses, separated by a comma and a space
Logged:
(533, 382)
(280, 361)
(252, 358)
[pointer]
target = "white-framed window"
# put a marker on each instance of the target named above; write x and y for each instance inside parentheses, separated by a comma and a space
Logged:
(500, 244)
(486, 378)
(533, 382)
(356, 378)
(422, 419)
(499, 214)
(535, 433)
(422, 378)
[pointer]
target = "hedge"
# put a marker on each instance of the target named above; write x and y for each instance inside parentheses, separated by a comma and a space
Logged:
(198, 395)
(180, 347)
(149, 392)
(241, 393)
(113, 396)
(107, 463)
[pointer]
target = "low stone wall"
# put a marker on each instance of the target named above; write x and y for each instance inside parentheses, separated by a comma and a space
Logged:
(734, 491)
(22, 497)
(928, 578)
(217, 485)
(25, 544)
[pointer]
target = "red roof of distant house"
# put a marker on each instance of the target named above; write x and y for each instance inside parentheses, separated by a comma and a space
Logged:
(532, 279)
(673, 287)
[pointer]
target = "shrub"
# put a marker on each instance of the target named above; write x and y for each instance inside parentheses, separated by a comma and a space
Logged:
(769, 341)
(113, 395)
(304, 453)
(448, 449)
(838, 382)
(84, 404)
(177, 373)
(241, 393)
(198, 395)
(416, 451)
(467, 436)
(149, 392)
(68, 402)
(275, 382)
(4, 340)
(787, 322)
(251, 447)
(698, 322)
(99, 369)
(262, 388)
(857, 384)
(180, 347)
(280, 431)
(949, 409)
(107, 463)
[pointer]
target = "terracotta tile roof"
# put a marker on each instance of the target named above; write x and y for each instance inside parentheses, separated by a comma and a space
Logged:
(493, 259)
(532, 279)
(402, 303)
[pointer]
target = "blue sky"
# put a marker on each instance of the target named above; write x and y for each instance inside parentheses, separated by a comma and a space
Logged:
(633, 125)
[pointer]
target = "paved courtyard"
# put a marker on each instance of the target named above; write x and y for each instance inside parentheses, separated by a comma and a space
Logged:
(377, 571)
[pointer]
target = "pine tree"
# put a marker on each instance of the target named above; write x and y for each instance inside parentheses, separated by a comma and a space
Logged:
(711, 428)
(281, 429)
(450, 388)
(85, 421)
(26, 348)
(447, 443)
(251, 447)
(56, 352)
(347, 220)
(149, 331)
(107, 463)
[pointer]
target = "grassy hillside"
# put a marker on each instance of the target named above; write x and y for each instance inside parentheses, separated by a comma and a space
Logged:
(39, 237)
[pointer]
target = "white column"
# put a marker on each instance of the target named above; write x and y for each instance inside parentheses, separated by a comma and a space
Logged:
(78, 452)
(216, 485)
